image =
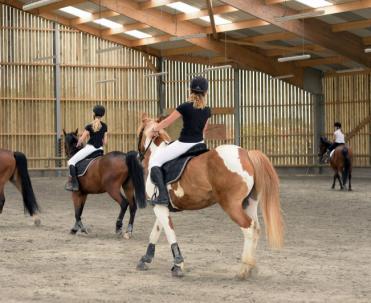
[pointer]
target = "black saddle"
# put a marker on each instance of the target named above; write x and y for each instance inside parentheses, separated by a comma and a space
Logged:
(83, 165)
(174, 169)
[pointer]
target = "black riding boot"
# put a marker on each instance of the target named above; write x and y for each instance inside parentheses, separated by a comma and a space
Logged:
(73, 183)
(158, 180)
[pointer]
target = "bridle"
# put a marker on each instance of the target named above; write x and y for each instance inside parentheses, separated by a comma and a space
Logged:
(143, 154)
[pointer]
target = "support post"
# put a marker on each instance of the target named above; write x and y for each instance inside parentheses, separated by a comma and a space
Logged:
(237, 112)
(319, 122)
(57, 95)
(161, 87)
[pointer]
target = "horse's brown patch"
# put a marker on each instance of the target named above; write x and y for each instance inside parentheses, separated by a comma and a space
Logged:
(171, 223)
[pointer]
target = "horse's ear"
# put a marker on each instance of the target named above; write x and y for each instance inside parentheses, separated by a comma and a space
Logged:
(64, 132)
(76, 131)
(144, 117)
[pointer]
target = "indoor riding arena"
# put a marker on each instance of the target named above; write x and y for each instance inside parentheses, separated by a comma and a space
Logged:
(283, 82)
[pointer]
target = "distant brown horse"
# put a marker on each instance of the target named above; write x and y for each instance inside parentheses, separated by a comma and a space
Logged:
(229, 175)
(13, 168)
(109, 173)
(341, 162)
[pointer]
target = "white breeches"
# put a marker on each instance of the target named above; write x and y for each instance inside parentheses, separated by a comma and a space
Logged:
(170, 152)
(82, 154)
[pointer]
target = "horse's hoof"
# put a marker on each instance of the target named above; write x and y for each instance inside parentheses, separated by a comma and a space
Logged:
(127, 235)
(247, 272)
(142, 266)
(37, 222)
(177, 272)
(73, 231)
(350, 189)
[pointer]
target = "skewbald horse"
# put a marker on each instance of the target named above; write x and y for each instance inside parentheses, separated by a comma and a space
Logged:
(13, 167)
(237, 179)
(110, 173)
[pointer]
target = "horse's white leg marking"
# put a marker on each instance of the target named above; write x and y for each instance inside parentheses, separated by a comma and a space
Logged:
(156, 232)
(163, 215)
(251, 237)
(230, 156)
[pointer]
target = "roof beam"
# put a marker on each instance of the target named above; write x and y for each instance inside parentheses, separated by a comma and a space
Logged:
(155, 3)
(271, 37)
(57, 5)
(181, 51)
(95, 16)
(351, 25)
(311, 48)
(211, 16)
(322, 61)
(152, 40)
(218, 10)
(165, 22)
(366, 40)
(271, 2)
(317, 31)
(124, 28)
(238, 25)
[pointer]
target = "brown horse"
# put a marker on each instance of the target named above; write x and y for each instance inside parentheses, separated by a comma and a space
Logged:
(109, 173)
(13, 167)
(341, 162)
(229, 175)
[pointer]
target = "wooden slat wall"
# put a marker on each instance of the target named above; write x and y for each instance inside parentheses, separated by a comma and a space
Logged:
(27, 87)
(348, 100)
(277, 118)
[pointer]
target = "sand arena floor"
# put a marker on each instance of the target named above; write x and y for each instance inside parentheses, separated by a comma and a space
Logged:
(327, 256)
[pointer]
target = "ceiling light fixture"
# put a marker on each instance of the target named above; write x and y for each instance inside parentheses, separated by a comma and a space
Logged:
(315, 3)
(75, 12)
(183, 7)
(300, 16)
(107, 23)
(217, 67)
(282, 77)
(368, 50)
(156, 74)
(37, 4)
(294, 58)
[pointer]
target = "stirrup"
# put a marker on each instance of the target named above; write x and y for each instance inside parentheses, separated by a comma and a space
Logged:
(68, 186)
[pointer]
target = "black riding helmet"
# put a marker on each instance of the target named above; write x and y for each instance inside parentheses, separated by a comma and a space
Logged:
(199, 85)
(99, 110)
(337, 124)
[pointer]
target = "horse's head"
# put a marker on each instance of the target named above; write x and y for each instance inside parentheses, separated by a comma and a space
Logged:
(146, 135)
(70, 142)
(323, 145)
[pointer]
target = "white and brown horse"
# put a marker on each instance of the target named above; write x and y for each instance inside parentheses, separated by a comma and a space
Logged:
(237, 179)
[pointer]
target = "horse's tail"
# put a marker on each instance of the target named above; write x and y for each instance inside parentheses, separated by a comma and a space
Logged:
(267, 189)
(137, 177)
(347, 163)
(29, 200)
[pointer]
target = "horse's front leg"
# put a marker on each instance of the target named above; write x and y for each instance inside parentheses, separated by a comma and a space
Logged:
(123, 207)
(333, 183)
(2, 198)
(340, 182)
(79, 200)
(150, 253)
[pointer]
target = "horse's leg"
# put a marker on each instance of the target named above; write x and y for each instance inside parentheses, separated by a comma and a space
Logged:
(129, 193)
(335, 177)
(163, 216)
(79, 200)
(350, 181)
(2, 198)
(123, 207)
(150, 253)
(340, 182)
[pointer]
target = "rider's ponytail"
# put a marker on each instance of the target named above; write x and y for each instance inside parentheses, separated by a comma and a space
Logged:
(198, 99)
(96, 124)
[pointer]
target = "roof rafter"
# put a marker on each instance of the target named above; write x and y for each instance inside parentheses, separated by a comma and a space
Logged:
(222, 9)
(322, 61)
(351, 25)
(155, 3)
(164, 22)
(211, 17)
(95, 16)
(57, 5)
(124, 28)
(317, 31)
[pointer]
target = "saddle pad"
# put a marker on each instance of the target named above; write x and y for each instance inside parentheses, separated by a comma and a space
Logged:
(173, 169)
(83, 165)
(332, 153)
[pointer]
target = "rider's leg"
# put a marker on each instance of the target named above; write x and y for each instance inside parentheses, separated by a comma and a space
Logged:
(171, 152)
(73, 184)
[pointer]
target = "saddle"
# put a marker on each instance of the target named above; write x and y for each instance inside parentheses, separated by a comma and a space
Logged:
(174, 169)
(83, 165)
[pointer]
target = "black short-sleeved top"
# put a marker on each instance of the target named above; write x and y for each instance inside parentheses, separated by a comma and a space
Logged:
(96, 138)
(194, 121)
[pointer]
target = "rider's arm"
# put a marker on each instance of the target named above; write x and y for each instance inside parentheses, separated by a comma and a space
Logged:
(83, 137)
(105, 139)
(168, 121)
(205, 128)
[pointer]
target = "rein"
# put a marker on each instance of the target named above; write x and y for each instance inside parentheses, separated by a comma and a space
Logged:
(142, 154)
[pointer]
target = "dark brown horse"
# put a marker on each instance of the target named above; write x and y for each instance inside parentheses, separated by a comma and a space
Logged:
(13, 168)
(341, 162)
(109, 173)
(237, 179)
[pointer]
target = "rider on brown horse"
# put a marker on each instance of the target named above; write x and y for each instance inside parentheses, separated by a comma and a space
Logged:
(97, 133)
(195, 115)
(339, 139)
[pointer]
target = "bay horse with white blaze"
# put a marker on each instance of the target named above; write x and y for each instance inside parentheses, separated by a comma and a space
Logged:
(237, 179)
(341, 162)
(13, 168)
(109, 173)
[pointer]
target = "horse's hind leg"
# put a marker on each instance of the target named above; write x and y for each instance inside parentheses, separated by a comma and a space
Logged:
(123, 207)
(2, 198)
(340, 182)
(79, 200)
(129, 193)
(350, 181)
(150, 253)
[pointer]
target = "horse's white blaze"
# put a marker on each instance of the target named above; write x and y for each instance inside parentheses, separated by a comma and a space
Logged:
(156, 232)
(163, 215)
(230, 156)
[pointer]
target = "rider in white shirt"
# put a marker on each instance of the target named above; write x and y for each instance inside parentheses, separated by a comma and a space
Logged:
(339, 138)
